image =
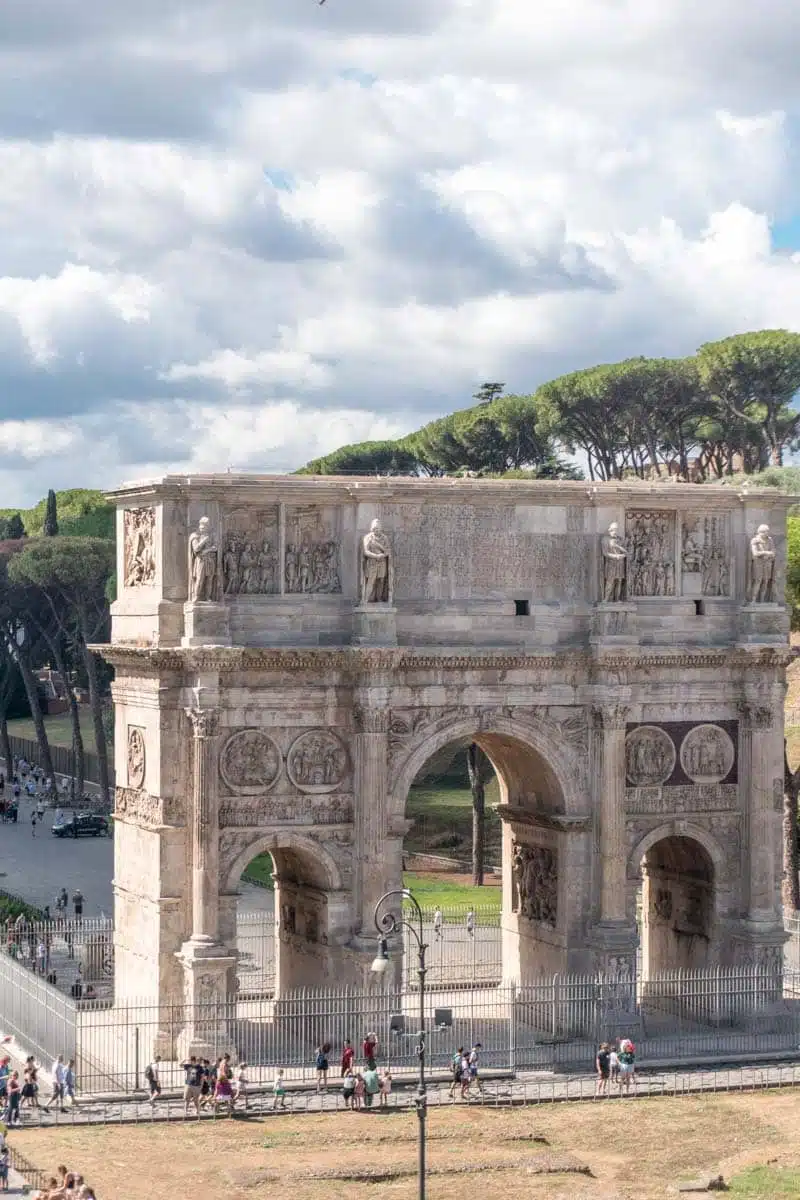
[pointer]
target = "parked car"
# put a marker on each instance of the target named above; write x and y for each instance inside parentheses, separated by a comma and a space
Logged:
(81, 825)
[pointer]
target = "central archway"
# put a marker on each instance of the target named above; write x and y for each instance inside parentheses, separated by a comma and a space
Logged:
(678, 906)
(545, 844)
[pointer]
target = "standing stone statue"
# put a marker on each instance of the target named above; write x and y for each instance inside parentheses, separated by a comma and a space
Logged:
(203, 563)
(377, 568)
(761, 589)
(615, 565)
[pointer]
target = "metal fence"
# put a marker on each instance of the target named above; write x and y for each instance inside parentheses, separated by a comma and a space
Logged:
(555, 1023)
(61, 757)
(465, 948)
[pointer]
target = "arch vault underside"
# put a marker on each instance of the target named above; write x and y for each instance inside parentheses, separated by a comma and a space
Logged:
(655, 767)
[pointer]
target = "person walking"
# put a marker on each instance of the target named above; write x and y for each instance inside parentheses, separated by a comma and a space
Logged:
(473, 1067)
(438, 921)
(471, 923)
(322, 1066)
(348, 1055)
(69, 1082)
(193, 1075)
(33, 822)
(279, 1091)
(152, 1076)
(603, 1067)
(370, 1049)
(627, 1065)
(77, 903)
(58, 1073)
(348, 1087)
(386, 1087)
(14, 1099)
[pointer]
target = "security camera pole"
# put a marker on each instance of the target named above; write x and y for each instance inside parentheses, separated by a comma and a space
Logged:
(386, 924)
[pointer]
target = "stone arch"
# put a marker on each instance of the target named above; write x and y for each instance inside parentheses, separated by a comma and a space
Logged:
(678, 829)
(510, 744)
(304, 851)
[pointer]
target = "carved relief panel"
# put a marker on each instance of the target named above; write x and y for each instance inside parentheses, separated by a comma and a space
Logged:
(137, 759)
(317, 761)
(250, 762)
(313, 551)
(650, 539)
(681, 767)
(251, 552)
(535, 883)
(705, 556)
(139, 546)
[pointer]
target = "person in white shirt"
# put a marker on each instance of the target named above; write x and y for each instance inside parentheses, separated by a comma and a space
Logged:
(437, 924)
(240, 1085)
(471, 923)
(153, 1080)
(59, 1074)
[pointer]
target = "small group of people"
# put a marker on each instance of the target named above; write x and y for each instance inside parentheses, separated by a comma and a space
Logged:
(465, 1071)
(66, 1185)
(438, 923)
(615, 1064)
(206, 1084)
(359, 1088)
(22, 1091)
(369, 1050)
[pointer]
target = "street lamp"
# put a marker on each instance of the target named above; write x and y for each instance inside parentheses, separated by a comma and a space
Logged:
(386, 924)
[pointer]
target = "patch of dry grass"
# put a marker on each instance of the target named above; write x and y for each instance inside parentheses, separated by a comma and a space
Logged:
(634, 1148)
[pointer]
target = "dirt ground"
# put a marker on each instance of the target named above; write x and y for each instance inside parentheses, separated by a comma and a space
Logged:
(636, 1150)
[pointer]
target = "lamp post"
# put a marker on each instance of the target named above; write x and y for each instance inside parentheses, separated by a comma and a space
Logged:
(386, 924)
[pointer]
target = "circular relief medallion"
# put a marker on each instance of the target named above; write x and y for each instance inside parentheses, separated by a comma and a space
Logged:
(250, 762)
(317, 761)
(707, 754)
(649, 756)
(136, 757)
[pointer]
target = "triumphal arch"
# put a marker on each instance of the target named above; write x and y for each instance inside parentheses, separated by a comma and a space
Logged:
(291, 651)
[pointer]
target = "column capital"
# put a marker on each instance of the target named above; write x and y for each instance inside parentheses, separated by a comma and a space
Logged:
(204, 721)
(755, 716)
(372, 720)
(610, 716)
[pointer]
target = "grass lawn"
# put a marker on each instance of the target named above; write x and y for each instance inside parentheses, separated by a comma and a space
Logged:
(453, 891)
(632, 1149)
(59, 729)
(259, 870)
(442, 817)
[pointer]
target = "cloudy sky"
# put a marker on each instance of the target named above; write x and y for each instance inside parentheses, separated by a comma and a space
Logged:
(242, 233)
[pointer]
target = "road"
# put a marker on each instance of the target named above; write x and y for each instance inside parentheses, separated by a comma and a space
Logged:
(37, 868)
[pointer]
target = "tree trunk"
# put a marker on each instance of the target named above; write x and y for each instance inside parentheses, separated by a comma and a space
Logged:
(78, 763)
(5, 746)
(97, 723)
(478, 785)
(46, 761)
(791, 859)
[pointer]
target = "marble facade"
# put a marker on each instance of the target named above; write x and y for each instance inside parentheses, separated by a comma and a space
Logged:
(276, 692)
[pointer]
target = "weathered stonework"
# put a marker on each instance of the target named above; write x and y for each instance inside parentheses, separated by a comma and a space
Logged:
(612, 648)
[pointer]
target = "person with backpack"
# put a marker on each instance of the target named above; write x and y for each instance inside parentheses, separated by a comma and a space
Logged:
(153, 1080)
(455, 1067)
(322, 1066)
(603, 1067)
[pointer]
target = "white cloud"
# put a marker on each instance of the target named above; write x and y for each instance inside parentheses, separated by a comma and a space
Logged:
(248, 233)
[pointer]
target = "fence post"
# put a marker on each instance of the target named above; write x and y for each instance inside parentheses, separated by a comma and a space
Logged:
(136, 1058)
(554, 1003)
(512, 1028)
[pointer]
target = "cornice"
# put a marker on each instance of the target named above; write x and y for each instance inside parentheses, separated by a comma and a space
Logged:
(561, 823)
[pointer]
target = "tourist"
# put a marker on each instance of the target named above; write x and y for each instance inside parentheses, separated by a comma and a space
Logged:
(240, 1086)
(455, 1067)
(372, 1085)
(471, 923)
(30, 1084)
(370, 1049)
(279, 1091)
(613, 1062)
(386, 1087)
(473, 1066)
(322, 1066)
(69, 1081)
(40, 809)
(4, 1161)
(151, 1074)
(348, 1055)
(627, 1062)
(208, 1077)
(5, 1071)
(603, 1067)
(360, 1091)
(33, 822)
(193, 1074)
(41, 958)
(14, 1099)
(465, 1076)
(348, 1087)
(437, 924)
(223, 1091)
(77, 903)
(62, 900)
(57, 1072)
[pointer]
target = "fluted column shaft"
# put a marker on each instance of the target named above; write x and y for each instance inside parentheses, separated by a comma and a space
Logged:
(610, 722)
(371, 745)
(761, 775)
(205, 827)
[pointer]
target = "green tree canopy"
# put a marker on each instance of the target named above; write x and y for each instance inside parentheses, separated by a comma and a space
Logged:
(50, 527)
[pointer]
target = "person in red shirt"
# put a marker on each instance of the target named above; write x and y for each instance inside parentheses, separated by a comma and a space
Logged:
(370, 1050)
(348, 1055)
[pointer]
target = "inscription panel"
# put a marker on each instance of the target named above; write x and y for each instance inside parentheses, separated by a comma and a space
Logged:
(452, 551)
(683, 798)
(254, 812)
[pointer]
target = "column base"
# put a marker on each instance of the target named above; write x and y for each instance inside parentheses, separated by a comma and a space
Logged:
(375, 625)
(205, 624)
(759, 944)
(208, 977)
(614, 625)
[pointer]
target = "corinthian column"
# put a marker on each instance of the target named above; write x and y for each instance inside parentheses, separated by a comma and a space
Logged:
(610, 722)
(761, 776)
(205, 828)
(371, 745)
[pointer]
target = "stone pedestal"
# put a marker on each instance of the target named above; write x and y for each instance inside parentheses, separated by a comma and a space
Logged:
(208, 987)
(205, 624)
(375, 625)
(614, 625)
(763, 625)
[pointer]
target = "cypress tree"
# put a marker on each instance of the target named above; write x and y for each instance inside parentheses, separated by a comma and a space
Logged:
(51, 516)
